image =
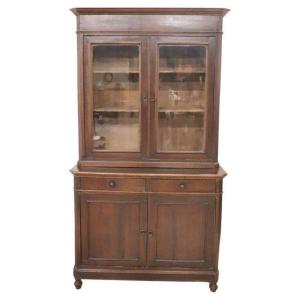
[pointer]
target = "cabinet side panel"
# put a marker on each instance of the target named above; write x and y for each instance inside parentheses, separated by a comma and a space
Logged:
(77, 212)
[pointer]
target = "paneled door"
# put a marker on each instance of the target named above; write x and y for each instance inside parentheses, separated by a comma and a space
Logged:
(113, 229)
(115, 85)
(182, 76)
(181, 230)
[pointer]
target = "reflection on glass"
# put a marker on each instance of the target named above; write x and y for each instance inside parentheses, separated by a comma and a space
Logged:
(116, 79)
(181, 98)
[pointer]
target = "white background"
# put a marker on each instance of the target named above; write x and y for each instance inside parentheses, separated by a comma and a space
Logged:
(259, 148)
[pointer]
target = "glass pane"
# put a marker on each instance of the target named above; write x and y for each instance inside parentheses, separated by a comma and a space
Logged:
(116, 79)
(181, 98)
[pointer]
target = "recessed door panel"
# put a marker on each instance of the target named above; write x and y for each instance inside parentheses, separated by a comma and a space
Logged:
(181, 230)
(113, 229)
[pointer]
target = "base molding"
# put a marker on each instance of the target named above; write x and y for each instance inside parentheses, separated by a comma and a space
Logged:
(145, 274)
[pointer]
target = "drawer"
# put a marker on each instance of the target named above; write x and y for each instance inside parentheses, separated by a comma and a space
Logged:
(112, 184)
(188, 185)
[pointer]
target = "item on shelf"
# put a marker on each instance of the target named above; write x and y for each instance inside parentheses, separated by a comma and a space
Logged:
(100, 119)
(174, 96)
(169, 61)
(99, 142)
(133, 77)
(98, 85)
(201, 82)
(108, 77)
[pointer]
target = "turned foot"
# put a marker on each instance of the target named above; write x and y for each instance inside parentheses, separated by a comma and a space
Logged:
(213, 286)
(78, 284)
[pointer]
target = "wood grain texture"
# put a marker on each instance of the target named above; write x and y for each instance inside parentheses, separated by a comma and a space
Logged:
(145, 23)
(112, 184)
(150, 11)
(149, 154)
(89, 42)
(151, 214)
(210, 144)
(181, 227)
(183, 185)
(111, 228)
(89, 272)
(150, 173)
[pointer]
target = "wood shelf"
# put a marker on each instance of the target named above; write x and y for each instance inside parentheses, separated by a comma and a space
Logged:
(117, 90)
(181, 71)
(117, 109)
(116, 71)
(181, 109)
(121, 137)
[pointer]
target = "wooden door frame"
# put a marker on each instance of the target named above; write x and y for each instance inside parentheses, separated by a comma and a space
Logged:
(211, 233)
(210, 152)
(83, 199)
(88, 43)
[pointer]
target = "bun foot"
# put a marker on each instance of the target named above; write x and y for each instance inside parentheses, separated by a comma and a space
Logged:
(78, 284)
(213, 286)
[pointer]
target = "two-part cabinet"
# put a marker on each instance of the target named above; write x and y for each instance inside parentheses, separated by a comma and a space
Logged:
(148, 186)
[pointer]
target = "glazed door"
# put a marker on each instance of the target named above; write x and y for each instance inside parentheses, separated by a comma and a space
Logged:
(181, 230)
(181, 94)
(115, 85)
(113, 229)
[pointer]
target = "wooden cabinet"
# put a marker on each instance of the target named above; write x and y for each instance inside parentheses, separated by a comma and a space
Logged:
(111, 227)
(148, 185)
(180, 230)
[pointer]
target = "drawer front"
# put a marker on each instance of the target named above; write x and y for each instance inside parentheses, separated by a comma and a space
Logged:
(112, 184)
(188, 185)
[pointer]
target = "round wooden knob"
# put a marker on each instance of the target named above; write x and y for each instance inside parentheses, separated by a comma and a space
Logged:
(112, 184)
(182, 185)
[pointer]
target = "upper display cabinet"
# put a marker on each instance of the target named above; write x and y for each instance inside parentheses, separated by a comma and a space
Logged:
(149, 85)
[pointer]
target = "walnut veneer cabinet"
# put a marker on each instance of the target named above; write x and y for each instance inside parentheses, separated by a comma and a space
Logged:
(148, 186)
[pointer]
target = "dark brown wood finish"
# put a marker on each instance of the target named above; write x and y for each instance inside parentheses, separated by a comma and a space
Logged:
(150, 11)
(112, 184)
(148, 157)
(182, 185)
(113, 229)
(89, 42)
(180, 230)
(149, 214)
(210, 125)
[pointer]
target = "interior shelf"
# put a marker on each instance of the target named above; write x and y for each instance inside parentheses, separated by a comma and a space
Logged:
(116, 109)
(126, 71)
(181, 70)
(181, 109)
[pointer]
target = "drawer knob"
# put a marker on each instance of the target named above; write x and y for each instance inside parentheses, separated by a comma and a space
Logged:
(112, 184)
(182, 186)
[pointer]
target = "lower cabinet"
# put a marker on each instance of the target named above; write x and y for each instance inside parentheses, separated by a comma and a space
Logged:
(113, 229)
(182, 230)
(140, 230)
